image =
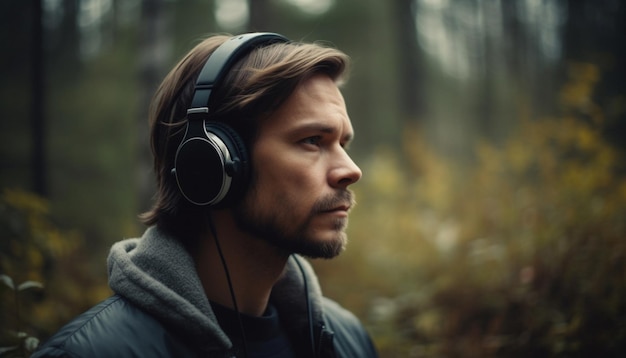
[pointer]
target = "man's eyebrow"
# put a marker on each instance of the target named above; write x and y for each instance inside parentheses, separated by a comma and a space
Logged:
(314, 127)
(320, 127)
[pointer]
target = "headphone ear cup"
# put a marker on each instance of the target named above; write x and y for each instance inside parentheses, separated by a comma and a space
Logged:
(238, 167)
(211, 163)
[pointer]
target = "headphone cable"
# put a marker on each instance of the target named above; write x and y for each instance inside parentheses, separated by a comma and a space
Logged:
(230, 285)
(308, 304)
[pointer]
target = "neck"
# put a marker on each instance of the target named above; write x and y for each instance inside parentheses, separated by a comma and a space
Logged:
(254, 266)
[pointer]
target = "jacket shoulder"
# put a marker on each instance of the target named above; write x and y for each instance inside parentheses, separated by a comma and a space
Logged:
(350, 337)
(112, 328)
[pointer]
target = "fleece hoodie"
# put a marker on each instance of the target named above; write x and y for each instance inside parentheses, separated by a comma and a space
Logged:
(160, 307)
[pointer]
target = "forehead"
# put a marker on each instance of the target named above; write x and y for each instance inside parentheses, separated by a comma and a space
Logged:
(316, 103)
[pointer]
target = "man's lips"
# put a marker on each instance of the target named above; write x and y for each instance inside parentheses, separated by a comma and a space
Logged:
(340, 203)
(339, 208)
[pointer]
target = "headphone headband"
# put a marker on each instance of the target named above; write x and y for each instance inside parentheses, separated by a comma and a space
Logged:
(220, 62)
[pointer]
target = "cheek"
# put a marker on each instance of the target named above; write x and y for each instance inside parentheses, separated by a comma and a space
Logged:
(287, 178)
(281, 170)
(300, 180)
(281, 188)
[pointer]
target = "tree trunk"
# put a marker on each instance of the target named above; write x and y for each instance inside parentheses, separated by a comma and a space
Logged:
(411, 98)
(260, 15)
(38, 120)
(154, 53)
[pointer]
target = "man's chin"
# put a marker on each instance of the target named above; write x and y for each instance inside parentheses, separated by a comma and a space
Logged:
(327, 248)
(310, 247)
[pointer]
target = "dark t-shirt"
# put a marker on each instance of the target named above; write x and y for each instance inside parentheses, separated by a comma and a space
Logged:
(264, 336)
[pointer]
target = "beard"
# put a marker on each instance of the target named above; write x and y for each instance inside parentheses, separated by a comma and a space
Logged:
(289, 234)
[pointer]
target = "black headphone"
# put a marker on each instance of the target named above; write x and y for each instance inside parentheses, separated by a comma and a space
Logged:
(211, 161)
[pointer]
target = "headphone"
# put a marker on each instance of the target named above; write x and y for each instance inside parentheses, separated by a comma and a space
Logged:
(211, 162)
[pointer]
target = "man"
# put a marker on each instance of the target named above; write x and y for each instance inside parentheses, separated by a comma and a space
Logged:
(250, 157)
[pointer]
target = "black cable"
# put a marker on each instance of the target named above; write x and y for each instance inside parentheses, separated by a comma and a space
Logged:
(230, 285)
(308, 304)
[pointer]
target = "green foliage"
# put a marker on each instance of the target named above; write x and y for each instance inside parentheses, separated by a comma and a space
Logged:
(21, 344)
(521, 254)
(33, 250)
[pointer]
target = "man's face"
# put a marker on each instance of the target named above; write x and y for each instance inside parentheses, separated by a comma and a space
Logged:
(298, 199)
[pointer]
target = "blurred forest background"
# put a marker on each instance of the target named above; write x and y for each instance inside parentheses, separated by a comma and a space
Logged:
(492, 211)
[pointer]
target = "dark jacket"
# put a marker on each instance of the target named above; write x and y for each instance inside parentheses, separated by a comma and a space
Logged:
(160, 310)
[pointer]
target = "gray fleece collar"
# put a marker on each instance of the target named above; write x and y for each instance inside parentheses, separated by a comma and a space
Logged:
(157, 274)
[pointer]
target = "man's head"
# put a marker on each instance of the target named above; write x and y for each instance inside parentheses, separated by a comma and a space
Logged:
(299, 198)
(272, 84)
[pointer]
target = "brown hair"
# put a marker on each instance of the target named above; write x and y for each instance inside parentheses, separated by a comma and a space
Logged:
(254, 87)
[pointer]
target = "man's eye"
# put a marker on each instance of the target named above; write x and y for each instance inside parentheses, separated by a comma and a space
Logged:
(315, 140)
